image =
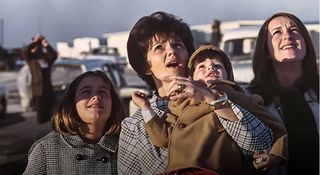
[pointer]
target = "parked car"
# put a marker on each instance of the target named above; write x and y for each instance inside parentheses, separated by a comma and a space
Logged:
(108, 53)
(239, 45)
(3, 100)
(65, 70)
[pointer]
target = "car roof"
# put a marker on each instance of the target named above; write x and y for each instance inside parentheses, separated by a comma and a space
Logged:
(88, 64)
(242, 32)
(82, 61)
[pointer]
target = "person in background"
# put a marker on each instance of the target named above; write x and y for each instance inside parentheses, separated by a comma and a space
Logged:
(86, 130)
(286, 76)
(24, 88)
(40, 56)
(211, 66)
(159, 46)
(216, 34)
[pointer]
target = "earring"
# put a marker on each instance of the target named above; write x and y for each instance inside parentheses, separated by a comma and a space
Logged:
(148, 73)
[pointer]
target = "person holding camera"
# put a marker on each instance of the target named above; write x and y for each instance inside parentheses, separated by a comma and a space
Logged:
(40, 56)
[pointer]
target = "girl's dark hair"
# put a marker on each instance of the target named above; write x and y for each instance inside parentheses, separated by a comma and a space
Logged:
(66, 118)
(159, 23)
(265, 81)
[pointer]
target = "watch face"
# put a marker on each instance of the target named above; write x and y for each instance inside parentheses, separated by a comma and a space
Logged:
(220, 101)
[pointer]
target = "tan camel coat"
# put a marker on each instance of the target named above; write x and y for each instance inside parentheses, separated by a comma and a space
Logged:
(207, 143)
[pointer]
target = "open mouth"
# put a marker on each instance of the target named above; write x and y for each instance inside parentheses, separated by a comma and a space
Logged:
(212, 75)
(173, 64)
(288, 46)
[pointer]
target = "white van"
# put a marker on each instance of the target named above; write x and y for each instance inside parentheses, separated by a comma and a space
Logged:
(239, 45)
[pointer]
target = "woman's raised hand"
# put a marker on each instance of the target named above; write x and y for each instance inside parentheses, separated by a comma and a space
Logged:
(181, 87)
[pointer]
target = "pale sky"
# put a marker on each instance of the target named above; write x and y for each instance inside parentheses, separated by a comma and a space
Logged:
(64, 20)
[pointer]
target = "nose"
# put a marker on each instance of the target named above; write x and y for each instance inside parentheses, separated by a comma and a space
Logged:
(213, 68)
(287, 34)
(95, 97)
(170, 49)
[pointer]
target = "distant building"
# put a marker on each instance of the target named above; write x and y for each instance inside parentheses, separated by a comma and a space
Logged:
(79, 48)
(201, 33)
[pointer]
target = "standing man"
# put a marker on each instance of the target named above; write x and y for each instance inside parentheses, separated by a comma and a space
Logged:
(40, 56)
(216, 34)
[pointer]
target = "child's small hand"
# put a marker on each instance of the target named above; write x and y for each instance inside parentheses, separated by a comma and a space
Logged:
(140, 99)
(264, 161)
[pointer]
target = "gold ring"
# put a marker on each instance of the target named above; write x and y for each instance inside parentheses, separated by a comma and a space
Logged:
(180, 87)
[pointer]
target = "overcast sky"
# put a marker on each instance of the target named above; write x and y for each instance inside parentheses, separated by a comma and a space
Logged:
(64, 20)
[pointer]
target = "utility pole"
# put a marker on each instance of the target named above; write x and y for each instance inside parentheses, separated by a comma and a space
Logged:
(2, 32)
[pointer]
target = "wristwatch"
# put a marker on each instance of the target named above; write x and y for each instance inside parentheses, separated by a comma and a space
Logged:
(220, 101)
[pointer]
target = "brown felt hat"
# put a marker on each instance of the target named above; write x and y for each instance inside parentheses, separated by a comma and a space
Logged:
(213, 49)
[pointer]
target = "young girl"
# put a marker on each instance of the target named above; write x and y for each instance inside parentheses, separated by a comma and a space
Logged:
(86, 129)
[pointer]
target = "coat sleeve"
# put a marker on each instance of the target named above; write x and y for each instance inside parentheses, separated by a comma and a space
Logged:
(158, 130)
(128, 150)
(280, 145)
(36, 160)
(253, 104)
(51, 54)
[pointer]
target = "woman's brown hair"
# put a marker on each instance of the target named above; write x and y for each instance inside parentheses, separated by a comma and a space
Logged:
(265, 81)
(147, 27)
(66, 118)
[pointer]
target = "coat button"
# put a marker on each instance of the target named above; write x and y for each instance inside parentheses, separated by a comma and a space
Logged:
(182, 125)
(103, 159)
(79, 157)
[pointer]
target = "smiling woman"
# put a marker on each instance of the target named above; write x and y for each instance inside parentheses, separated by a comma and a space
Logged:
(86, 130)
(286, 76)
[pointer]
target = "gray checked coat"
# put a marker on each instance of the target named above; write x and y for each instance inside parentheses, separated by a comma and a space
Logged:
(57, 154)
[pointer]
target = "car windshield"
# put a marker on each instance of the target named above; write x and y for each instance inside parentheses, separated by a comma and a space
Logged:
(240, 49)
(65, 73)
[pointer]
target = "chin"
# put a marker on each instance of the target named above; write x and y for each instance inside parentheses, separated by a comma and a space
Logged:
(290, 60)
(210, 80)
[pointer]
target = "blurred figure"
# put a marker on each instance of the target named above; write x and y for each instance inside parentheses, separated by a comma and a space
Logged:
(216, 33)
(24, 88)
(1, 58)
(40, 56)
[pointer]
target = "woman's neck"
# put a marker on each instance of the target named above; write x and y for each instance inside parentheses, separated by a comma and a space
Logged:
(92, 133)
(288, 73)
(162, 88)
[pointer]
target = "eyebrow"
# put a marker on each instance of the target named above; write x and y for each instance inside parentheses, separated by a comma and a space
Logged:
(105, 87)
(84, 87)
(276, 28)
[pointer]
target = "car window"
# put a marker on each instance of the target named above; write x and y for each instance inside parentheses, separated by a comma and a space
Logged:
(65, 73)
(115, 74)
(239, 49)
